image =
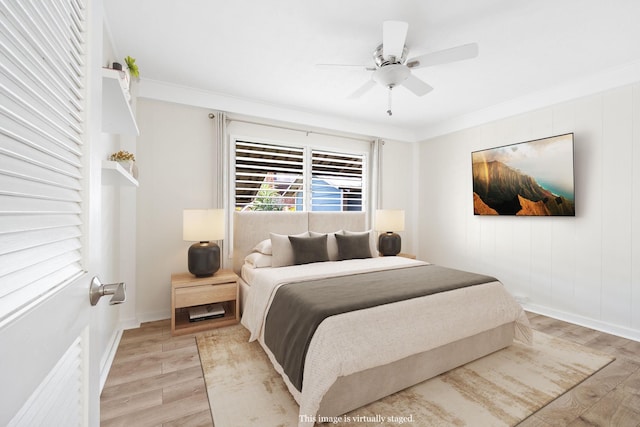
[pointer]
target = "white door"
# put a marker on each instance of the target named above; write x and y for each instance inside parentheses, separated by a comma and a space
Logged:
(49, 195)
(48, 375)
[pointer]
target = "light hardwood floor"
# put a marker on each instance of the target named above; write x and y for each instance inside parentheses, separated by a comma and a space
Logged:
(156, 380)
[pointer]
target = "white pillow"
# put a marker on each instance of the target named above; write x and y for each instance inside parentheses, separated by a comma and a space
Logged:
(263, 247)
(282, 250)
(332, 244)
(373, 240)
(258, 260)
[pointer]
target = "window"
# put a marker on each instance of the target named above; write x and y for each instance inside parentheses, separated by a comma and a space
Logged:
(273, 177)
(268, 177)
(336, 181)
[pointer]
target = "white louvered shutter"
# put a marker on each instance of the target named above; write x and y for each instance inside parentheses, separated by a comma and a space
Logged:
(337, 181)
(55, 401)
(268, 176)
(275, 177)
(41, 135)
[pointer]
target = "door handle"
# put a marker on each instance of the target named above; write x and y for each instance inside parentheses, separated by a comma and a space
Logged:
(97, 290)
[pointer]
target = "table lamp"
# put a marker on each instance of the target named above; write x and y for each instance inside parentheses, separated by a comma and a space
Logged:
(203, 226)
(388, 221)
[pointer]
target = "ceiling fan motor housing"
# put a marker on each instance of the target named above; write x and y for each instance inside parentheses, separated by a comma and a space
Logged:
(380, 60)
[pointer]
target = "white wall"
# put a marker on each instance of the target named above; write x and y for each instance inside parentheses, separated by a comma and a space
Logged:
(584, 269)
(176, 158)
(106, 319)
(399, 187)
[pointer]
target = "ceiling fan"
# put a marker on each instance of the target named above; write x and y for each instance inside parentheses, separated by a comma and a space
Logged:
(392, 68)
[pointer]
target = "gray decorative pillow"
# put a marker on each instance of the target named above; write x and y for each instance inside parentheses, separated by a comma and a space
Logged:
(373, 239)
(353, 246)
(309, 249)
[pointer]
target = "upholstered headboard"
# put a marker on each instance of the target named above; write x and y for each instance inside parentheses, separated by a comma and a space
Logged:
(250, 228)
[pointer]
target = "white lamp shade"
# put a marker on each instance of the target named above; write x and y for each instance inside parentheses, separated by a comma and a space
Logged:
(389, 220)
(202, 225)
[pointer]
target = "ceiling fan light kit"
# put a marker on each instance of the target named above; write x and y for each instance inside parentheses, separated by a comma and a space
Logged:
(391, 75)
(392, 68)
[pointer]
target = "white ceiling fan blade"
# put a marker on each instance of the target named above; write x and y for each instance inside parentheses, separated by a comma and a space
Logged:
(458, 53)
(417, 86)
(346, 67)
(362, 89)
(394, 34)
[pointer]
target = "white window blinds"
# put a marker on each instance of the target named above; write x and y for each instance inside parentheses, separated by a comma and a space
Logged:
(287, 178)
(337, 181)
(41, 133)
(269, 177)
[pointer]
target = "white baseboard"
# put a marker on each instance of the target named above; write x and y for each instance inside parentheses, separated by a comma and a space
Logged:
(131, 323)
(153, 316)
(107, 359)
(598, 325)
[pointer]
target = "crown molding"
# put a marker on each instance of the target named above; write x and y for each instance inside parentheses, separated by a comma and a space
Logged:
(163, 91)
(596, 83)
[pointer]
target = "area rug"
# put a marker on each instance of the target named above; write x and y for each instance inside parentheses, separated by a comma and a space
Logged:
(500, 389)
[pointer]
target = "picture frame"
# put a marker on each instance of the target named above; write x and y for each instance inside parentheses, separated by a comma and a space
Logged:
(531, 178)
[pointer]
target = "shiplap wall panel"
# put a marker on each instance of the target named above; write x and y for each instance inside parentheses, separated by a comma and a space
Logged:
(635, 209)
(564, 264)
(541, 260)
(457, 209)
(519, 260)
(582, 268)
(616, 206)
(470, 259)
(587, 159)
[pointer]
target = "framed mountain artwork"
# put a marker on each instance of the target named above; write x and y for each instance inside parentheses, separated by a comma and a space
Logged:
(533, 178)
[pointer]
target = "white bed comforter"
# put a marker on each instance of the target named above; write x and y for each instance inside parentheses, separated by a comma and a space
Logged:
(382, 334)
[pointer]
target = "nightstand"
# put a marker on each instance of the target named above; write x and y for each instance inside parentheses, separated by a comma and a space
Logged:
(188, 291)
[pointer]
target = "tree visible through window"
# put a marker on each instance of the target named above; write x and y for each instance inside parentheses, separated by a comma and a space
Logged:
(270, 177)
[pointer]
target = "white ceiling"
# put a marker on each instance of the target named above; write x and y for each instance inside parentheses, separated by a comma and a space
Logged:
(266, 51)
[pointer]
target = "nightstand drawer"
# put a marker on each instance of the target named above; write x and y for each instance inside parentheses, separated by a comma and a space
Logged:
(197, 295)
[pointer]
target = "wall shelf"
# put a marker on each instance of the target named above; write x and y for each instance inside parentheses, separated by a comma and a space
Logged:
(114, 174)
(117, 116)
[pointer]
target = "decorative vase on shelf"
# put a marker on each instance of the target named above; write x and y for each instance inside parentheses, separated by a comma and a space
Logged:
(127, 78)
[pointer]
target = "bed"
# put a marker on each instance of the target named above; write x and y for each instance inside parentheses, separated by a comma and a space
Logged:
(356, 357)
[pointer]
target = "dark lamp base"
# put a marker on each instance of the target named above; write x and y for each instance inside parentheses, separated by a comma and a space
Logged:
(204, 259)
(389, 244)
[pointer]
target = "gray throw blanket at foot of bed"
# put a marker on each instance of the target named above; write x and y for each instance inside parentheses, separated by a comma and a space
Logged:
(298, 308)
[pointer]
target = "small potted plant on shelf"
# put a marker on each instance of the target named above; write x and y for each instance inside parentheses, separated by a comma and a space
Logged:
(127, 161)
(132, 66)
(131, 69)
